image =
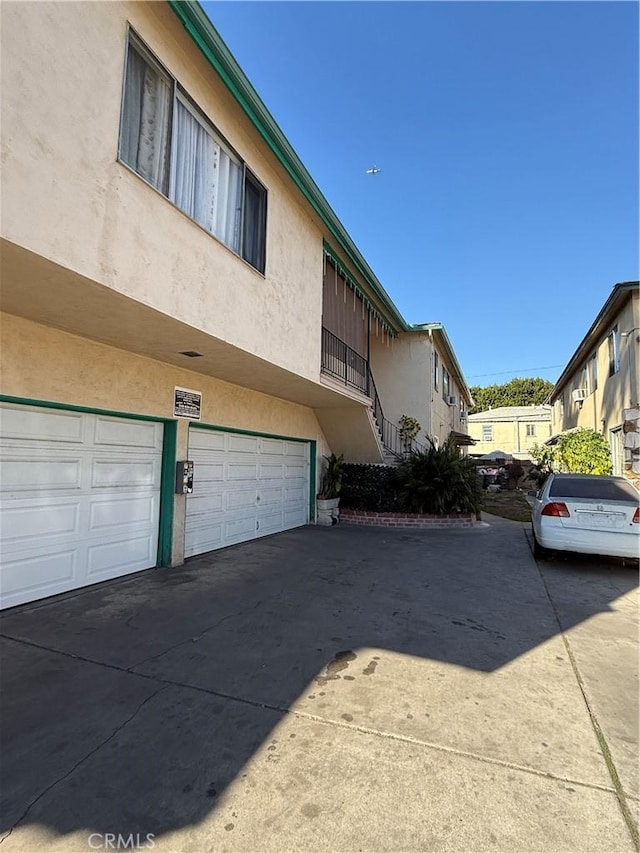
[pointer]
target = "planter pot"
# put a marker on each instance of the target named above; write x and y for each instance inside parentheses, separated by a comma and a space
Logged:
(328, 512)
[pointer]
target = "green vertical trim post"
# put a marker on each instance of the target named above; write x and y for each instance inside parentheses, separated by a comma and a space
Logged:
(167, 483)
(313, 446)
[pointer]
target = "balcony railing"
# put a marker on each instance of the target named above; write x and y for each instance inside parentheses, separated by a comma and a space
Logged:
(344, 363)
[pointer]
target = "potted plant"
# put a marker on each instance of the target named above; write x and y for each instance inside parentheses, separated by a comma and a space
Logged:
(328, 498)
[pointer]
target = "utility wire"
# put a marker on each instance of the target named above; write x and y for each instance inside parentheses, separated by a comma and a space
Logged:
(518, 370)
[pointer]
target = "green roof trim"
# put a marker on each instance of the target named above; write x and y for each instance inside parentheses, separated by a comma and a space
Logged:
(442, 334)
(206, 37)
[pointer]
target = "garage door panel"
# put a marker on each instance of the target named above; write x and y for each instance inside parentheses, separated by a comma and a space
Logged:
(42, 573)
(201, 539)
(271, 496)
(21, 473)
(75, 513)
(296, 448)
(271, 471)
(242, 443)
(270, 522)
(274, 446)
(207, 441)
(26, 520)
(207, 472)
(294, 517)
(295, 471)
(240, 529)
(42, 425)
(130, 434)
(125, 555)
(237, 471)
(241, 499)
(293, 495)
(120, 473)
(205, 504)
(123, 512)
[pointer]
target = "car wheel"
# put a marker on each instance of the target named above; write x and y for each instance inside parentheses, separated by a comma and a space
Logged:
(539, 552)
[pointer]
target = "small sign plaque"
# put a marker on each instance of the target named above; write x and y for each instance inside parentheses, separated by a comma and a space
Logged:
(187, 404)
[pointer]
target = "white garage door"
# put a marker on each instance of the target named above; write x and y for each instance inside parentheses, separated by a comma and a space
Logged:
(244, 487)
(79, 499)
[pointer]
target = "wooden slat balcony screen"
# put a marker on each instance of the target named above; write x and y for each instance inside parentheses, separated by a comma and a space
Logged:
(344, 314)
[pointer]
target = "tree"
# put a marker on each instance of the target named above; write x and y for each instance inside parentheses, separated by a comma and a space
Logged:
(517, 392)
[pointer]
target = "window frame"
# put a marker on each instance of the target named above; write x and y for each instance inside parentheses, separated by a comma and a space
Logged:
(530, 430)
(613, 340)
(487, 432)
(446, 383)
(436, 368)
(178, 92)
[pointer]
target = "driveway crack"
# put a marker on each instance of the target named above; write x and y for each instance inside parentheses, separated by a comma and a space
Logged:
(82, 760)
(195, 639)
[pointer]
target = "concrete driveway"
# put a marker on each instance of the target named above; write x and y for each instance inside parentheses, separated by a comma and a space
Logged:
(329, 689)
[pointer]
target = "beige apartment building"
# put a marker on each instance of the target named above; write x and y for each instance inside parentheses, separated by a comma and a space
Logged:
(175, 289)
(510, 430)
(598, 388)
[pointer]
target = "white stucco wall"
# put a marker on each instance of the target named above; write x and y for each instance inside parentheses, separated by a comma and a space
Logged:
(403, 372)
(66, 197)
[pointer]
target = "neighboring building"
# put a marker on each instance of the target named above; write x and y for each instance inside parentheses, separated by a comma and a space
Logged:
(600, 382)
(433, 388)
(174, 287)
(510, 429)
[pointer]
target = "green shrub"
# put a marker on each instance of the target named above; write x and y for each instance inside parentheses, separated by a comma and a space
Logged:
(439, 481)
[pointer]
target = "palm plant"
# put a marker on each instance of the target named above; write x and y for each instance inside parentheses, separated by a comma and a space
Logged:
(438, 480)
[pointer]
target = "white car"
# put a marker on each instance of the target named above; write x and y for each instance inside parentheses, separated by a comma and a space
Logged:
(587, 513)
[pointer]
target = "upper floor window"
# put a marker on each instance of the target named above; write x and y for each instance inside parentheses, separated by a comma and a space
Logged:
(445, 383)
(593, 373)
(487, 433)
(531, 430)
(170, 143)
(613, 341)
(435, 370)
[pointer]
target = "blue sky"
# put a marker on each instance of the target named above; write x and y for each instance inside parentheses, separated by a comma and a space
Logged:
(507, 138)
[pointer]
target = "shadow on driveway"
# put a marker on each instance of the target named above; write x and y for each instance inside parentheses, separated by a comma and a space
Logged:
(130, 706)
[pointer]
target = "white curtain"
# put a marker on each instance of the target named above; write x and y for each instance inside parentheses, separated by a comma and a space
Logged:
(205, 182)
(144, 143)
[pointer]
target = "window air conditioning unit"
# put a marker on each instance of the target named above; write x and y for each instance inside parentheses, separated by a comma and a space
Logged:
(451, 401)
(579, 394)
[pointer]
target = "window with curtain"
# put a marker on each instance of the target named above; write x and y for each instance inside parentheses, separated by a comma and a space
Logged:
(170, 143)
(445, 383)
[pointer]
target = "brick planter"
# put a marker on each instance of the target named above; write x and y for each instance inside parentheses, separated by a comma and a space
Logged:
(407, 519)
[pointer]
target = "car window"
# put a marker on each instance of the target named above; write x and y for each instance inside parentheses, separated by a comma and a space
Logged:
(601, 490)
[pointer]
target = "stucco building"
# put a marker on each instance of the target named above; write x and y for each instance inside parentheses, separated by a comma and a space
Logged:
(174, 287)
(510, 429)
(599, 387)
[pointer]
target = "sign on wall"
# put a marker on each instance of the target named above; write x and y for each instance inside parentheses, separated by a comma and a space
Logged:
(187, 403)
